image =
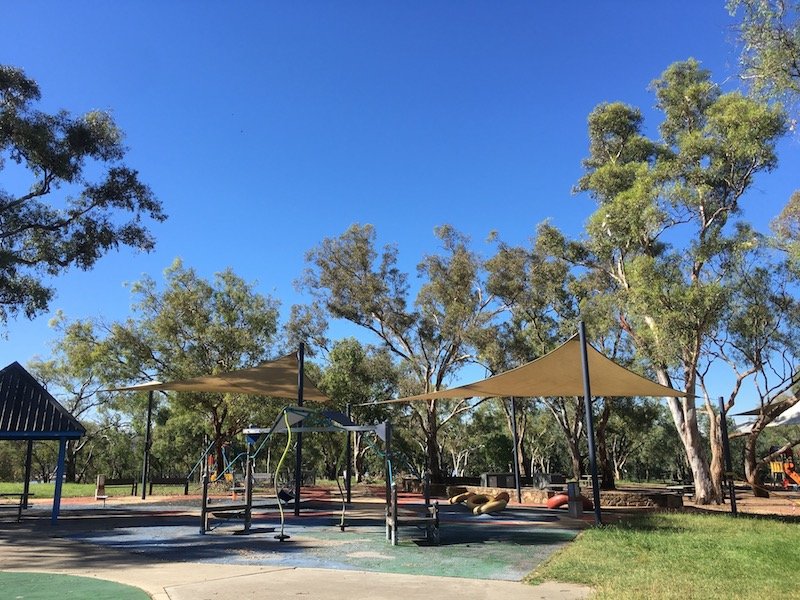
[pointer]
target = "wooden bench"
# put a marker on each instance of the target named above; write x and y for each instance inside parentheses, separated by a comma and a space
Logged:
(429, 520)
(683, 489)
(103, 482)
(170, 481)
(21, 505)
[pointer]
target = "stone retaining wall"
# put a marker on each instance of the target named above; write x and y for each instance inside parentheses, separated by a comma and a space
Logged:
(618, 498)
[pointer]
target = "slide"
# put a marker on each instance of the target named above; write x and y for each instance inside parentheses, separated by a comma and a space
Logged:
(788, 468)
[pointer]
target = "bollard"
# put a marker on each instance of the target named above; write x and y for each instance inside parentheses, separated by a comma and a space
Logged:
(100, 488)
(575, 502)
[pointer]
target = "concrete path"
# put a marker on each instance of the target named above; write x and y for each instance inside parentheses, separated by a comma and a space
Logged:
(34, 545)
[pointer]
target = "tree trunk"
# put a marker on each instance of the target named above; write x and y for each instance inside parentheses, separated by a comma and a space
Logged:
(70, 466)
(606, 468)
(358, 458)
(686, 423)
(219, 456)
(684, 415)
(751, 467)
(432, 443)
(717, 467)
(575, 458)
(519, 452)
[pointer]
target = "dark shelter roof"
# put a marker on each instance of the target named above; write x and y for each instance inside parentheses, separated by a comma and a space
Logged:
(28, 411)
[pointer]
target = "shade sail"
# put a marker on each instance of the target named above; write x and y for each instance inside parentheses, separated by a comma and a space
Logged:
(276, 378)
(558, 373)
(790, 416)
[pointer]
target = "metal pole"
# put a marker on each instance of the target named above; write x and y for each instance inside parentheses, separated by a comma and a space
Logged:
(388, 463)
(726, 450)
(248, 490)
(348, 472)
(515, 438)
(298, 461)
(28, 461)
(147, 441)
(204, 508)
(587, 406)
(62, 451)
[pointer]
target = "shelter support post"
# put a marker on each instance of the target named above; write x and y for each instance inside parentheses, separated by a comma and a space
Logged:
(248, 490)
(348, 470)
(62, 453)
(298, 464)
(515, 439)
(388, 453)
(587, 405)
(147, 444)
(27, 485)
(726, 450)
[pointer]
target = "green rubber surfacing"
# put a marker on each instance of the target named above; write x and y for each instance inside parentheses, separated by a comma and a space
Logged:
(47, 586)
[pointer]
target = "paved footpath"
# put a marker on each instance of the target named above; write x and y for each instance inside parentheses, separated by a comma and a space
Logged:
(34, 546)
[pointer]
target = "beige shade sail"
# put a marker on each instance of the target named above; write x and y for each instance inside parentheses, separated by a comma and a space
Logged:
(276, 379)
(558, 373)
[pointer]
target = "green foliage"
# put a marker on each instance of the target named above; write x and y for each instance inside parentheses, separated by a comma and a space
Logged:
(769, 34)
(188, 327)
(786, 227)
(355, 374)
(351, 280)
(663, 236)
(43, 235)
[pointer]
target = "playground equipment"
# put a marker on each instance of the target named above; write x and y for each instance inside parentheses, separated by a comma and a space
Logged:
(783, 469)
(292, 420)
(482, 504)
(427, 520)
(498, 503)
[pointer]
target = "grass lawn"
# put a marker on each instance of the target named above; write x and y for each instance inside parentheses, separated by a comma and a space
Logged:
(681, 555)
(82, 490)
(46, 586)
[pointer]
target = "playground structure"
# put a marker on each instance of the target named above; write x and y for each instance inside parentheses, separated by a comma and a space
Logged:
(783, 470)
(292, 420)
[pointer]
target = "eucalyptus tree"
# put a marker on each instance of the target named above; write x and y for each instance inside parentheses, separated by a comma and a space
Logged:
(544, 300)
(631, 425)
(540, 313)
(74, 375)
(82, 200)
(769, 35)
(358, 375)
(664, 229)
(192, 327)
(350, 279)
(757, 342)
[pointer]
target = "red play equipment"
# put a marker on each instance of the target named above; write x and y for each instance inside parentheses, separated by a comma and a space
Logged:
(562, 499)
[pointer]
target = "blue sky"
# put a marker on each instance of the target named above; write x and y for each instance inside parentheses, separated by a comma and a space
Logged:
(266, 126)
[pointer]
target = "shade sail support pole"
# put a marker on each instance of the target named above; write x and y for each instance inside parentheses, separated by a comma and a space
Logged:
(348, 471)
(726, 450)
(587, 406)
(298, 464)
(147, 443)
(515, 438)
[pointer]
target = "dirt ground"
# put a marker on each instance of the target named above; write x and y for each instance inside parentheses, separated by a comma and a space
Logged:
(783, 503)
